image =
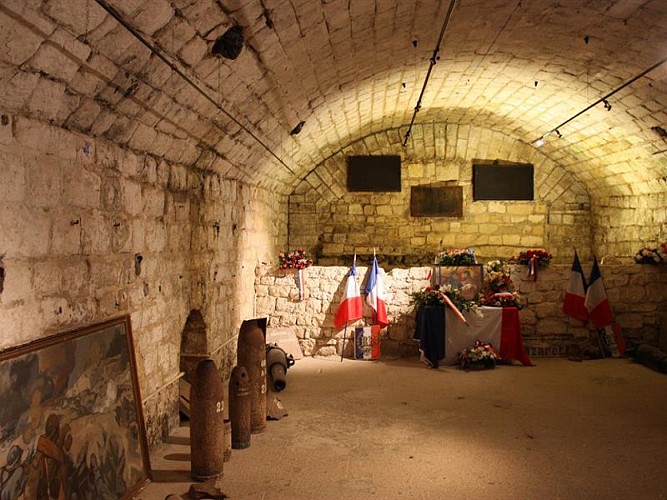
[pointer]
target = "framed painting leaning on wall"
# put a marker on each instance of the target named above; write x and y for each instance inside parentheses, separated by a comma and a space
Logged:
(71, 424)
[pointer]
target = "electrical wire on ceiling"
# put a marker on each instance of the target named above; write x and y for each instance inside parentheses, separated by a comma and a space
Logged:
(604, 100)
(433, 61)
(155, 50)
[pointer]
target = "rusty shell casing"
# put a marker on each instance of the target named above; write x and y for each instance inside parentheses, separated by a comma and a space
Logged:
(251, 354)
(239, 407)
(228, 440)
(207, 435)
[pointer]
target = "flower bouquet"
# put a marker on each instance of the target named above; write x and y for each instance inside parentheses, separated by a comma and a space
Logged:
(534, 259)
(542, 257)
(296, 259)
(648, 256)
(480, 356)
(433, 296)
(498, 286)
(456, 257)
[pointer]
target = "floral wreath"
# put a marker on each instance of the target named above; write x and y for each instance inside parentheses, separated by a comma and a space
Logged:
(296, 259)
(542, 257)
(534, 259)
(649, 255)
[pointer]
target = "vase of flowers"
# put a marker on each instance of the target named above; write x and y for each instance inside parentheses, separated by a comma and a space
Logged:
(481, 356)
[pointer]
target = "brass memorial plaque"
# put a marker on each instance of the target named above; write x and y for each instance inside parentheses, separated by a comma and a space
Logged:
(441, 201)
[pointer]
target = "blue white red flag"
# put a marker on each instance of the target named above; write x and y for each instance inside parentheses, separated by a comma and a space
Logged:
(596, 302)
(574, 303)
(351, 308)
(375, 295)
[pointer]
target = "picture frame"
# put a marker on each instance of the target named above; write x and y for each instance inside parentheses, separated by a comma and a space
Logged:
(468, 278)
(71, 422)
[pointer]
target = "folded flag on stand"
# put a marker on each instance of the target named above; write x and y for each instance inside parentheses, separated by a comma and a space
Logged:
(375, 295)
(574, 303)
(351, 308)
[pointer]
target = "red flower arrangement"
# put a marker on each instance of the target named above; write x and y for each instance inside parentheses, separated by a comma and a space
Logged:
(296, 259)
(541, 257)
(534, 259)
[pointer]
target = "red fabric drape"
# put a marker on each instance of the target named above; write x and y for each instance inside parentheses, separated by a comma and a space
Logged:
(511, 344)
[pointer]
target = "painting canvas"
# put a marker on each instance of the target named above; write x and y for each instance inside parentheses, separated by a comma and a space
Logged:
(71, 424)
(466, 278)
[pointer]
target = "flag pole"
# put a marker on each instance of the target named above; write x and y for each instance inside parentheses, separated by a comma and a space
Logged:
(342, 350)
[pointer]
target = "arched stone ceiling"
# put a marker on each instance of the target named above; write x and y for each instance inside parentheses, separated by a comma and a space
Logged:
(145, 78)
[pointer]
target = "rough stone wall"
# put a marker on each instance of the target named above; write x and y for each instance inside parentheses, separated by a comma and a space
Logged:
(90, 231)
(625, 224)
(332, 222)
(637, 293)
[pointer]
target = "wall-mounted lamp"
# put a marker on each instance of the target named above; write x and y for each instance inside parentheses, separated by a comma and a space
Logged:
(607, 106)
(539, 142)
(560, 136)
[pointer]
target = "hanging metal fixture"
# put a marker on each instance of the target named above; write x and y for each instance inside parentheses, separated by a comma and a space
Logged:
(433, 61)
(604, 100)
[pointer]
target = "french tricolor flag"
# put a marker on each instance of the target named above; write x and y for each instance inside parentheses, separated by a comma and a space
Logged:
(375, 295)
(596, 301)
(574, 303)
(351, 308)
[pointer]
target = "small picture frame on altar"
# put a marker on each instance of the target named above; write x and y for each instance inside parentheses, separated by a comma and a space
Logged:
(467, 278)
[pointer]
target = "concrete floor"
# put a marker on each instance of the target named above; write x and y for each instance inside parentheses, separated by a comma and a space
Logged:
(394, 429)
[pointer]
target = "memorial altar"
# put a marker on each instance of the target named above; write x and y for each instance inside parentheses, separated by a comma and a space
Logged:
(442, 336)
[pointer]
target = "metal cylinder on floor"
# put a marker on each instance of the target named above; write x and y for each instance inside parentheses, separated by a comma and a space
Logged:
(251, 354)
(207, 404)
(228, 440)
(239, 407)
(277, 363)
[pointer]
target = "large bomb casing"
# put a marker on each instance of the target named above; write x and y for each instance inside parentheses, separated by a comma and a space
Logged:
(207, 434)
(251, 354)
(240, 407)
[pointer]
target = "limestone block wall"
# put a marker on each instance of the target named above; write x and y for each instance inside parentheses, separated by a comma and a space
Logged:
(333, 222)
(638, 295)
(625, 224)
(90, 231)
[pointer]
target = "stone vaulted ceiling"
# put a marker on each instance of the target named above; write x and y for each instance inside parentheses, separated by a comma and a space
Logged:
(141, 74)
